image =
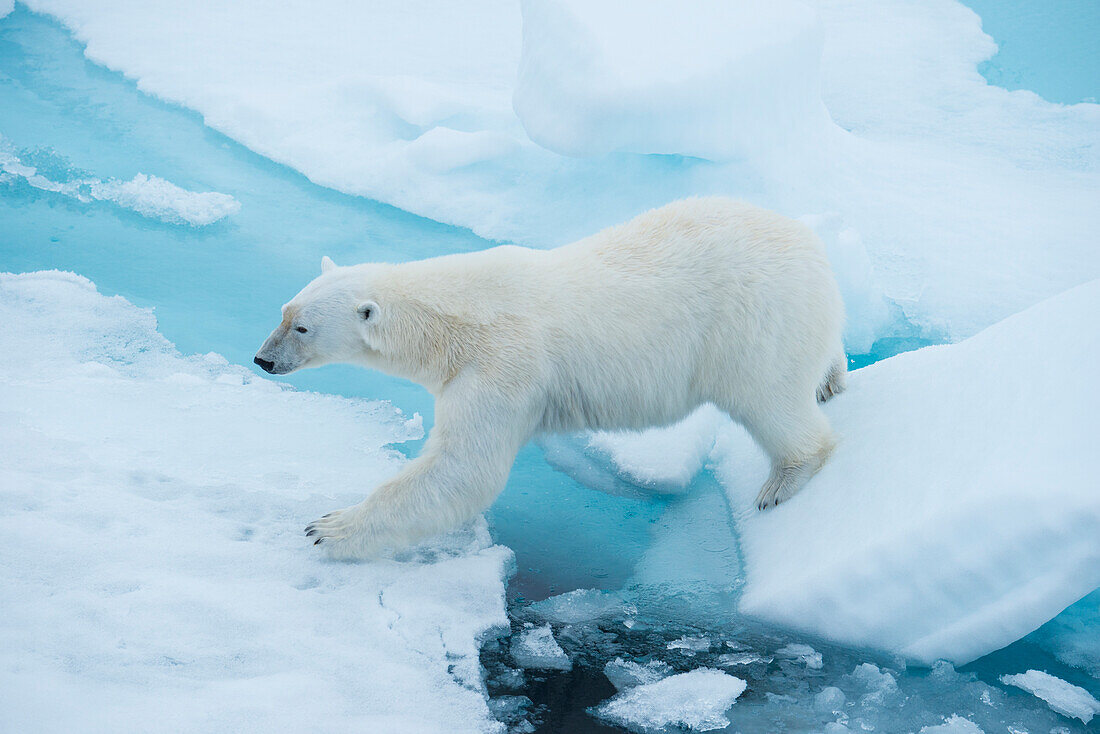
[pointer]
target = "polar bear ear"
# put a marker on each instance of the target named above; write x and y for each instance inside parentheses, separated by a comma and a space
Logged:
(327, 264)
(367, 310)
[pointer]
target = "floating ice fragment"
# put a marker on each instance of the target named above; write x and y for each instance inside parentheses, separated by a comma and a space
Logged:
(804, 654)
(741, 658)
(1063, 697)
(954, 725)
(697, 700)
(581, 605)
(879, 684)
(157, 198)
(829, 698)
(690, 645)
(628, 673)
(535, 647)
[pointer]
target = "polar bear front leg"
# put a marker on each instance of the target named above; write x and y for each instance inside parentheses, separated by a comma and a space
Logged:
(463, 467)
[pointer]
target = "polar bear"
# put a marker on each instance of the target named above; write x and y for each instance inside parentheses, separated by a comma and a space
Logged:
(705, 300)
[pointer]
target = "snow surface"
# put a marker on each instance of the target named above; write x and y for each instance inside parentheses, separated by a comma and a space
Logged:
(696, 700)
(149, 196)
(957, 514)
(943, 201)
(155, 575)
(535, 647)
(745, 80)
(1065, 698)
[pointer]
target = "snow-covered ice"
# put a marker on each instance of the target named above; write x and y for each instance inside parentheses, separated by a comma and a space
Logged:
(956, 515)
(697, 700)
(149, 196)
(535, 647)
(1065, 698)
(155, 574)
(659, 81)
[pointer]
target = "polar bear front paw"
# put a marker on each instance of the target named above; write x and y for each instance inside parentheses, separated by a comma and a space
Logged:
(342, 531)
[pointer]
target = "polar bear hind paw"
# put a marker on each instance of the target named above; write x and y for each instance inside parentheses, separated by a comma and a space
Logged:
(834, 382)
(782, 484)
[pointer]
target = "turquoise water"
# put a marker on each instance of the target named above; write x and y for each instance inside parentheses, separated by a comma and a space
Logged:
(1051, 48)
(219, 289)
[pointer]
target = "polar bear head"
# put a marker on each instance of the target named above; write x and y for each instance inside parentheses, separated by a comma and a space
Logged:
(330, 320)
(359, 315)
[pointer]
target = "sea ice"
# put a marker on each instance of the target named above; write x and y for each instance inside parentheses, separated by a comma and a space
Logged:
(153, 551)
(697, 700)
(629, 673)
(956, 514)
(535, 647)
(1065, 698)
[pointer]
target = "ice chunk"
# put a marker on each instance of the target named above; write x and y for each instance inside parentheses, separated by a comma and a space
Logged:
(804, 654)
(154, 197)
(628, 673)
(659, 81)
(934, 543)
(690, 645)
(697, 700)
(728, 660)
(954, 725)
(878, 684)
(580, 605)
(6, 6)
(535, 647)
(154, 557)
(1065, 698)
(829, 698)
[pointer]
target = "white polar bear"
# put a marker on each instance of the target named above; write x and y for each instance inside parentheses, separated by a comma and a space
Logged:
(701, 301)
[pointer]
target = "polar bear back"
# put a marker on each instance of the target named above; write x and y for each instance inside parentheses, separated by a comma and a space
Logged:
(703, 300)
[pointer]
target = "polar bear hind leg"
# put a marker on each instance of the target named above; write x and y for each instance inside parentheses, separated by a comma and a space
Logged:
(797, 439)
(836, 380)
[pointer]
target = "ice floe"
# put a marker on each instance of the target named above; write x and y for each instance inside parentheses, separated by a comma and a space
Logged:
(151, 507)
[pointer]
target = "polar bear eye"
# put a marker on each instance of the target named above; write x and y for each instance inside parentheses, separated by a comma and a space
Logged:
(301, 329)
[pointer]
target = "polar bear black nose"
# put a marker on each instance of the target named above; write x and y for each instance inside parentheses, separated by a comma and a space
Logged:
(265, 365)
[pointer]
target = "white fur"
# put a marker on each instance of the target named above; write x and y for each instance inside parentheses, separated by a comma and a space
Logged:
(703, 300)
